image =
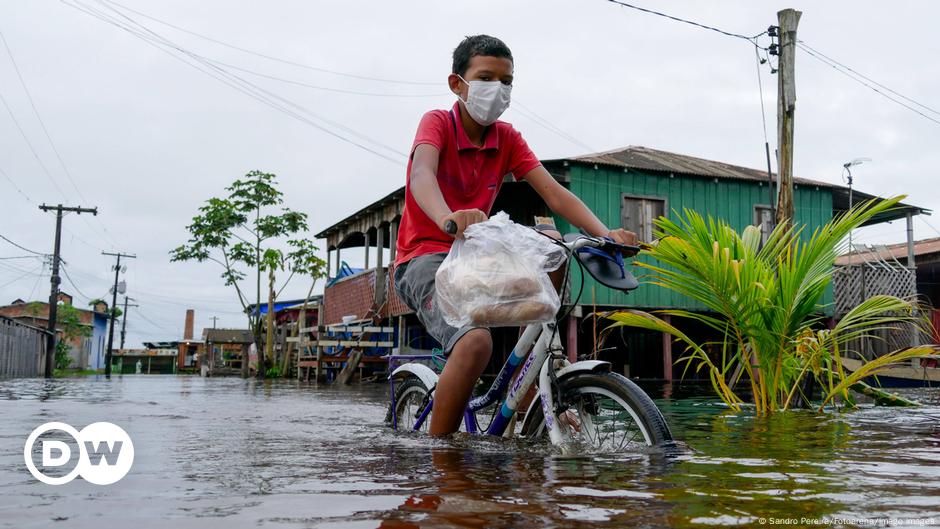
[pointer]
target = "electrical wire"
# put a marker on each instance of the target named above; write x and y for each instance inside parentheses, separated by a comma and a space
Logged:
(684, 21)
(42, 125)
(844, 70)
(238, 83)
(65, 272)
(808, 48)
(16, 187)
(760, 89)
(29, 273)
(317, 87)
(29, 144)
(38, 280)
(544, 123)
(270, 57)
(151, 322)
(22, 247)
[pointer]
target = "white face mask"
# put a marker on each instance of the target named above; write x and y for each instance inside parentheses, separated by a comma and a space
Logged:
(486, 100)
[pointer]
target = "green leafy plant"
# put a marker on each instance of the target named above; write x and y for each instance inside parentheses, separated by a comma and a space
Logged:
(240, 233)
(765, 303)
(69, 323)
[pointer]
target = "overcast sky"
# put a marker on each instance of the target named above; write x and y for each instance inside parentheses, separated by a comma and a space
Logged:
(147, 138)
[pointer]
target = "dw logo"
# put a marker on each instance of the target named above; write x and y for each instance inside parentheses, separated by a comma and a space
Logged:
(105, 453)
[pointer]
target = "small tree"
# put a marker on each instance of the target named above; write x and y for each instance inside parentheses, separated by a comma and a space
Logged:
(236, 232)
(68, 320)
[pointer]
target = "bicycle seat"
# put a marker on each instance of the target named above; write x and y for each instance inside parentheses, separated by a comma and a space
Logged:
(607, 269)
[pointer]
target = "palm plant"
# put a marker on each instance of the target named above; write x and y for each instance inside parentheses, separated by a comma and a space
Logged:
(765, 303)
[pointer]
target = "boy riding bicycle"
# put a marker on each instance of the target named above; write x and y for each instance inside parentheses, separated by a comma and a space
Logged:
(458, 161)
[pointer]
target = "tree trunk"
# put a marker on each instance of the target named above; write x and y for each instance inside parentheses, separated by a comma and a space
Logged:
(269, 322)
(246, 351)
(301, 324)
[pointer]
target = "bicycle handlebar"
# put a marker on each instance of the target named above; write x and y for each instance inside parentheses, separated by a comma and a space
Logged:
(601, 243)
(450, 228)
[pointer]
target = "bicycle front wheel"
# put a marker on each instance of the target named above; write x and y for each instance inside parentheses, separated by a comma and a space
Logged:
(411, 398)
(605, 412)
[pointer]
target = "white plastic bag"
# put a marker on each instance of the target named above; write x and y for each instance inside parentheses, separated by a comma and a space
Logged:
(497, 275)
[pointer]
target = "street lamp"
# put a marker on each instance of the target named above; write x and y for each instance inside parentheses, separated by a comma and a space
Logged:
(847, 178)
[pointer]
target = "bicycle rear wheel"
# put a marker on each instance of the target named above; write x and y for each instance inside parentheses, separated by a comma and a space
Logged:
(606, 412)
(411, 398)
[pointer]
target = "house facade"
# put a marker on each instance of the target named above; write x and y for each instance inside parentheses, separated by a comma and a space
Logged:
(627, 188)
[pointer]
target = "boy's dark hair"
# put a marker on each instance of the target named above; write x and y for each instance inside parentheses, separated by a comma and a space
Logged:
(478, 45)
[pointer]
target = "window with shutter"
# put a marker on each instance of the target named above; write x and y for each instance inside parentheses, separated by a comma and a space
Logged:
(764, 219)
(637, 214)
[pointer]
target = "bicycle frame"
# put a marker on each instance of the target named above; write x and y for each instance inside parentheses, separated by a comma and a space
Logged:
(540, 334)
(537, 364)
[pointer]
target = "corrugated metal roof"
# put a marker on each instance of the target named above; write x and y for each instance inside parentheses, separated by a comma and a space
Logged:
(635, 157)
(228, 335)
(897, 251)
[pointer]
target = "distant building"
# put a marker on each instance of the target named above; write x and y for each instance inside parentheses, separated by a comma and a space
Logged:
(87, 352)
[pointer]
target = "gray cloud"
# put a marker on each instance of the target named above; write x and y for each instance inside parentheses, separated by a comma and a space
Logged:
(148, 138)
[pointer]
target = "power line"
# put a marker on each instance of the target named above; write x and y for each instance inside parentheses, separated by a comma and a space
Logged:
(32, 272)
(544, 123)
(269, 57)
(65, 271)
(38, 280)
(902, 96)
(42, 124)
(22, 247)
(684, 21)
(846, 72)
(32, 149)
(317, 87)
(238, 83)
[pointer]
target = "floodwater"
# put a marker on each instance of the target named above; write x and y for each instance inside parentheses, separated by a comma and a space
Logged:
(232, 453)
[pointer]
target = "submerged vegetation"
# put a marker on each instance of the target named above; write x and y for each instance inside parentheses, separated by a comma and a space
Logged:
(765, 301)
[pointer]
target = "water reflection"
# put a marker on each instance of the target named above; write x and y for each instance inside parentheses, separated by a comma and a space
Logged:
(213, 451)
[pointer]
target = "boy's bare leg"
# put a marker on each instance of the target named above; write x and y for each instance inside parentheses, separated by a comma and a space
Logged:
(464, 366)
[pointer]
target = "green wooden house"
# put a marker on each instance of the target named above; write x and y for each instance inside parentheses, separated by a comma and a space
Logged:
(627, 188)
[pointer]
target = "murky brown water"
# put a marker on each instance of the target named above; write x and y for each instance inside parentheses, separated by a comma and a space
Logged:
(229, 453)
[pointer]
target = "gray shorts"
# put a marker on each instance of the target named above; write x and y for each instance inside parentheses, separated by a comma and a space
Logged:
(414, 283)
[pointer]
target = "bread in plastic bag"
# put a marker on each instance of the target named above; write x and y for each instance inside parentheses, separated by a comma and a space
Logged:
(497, 275)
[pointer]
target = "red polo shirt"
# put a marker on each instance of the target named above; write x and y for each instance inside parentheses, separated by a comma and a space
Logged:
(469, 176)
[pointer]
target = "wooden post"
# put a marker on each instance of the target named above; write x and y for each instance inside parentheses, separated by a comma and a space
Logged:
(319, 348)
(572, 338)
(667, 352)
(786, 106)
(379, 271)
(328, 262)
(366, 247)
(392, 241)
(910, 241)
(338, 261)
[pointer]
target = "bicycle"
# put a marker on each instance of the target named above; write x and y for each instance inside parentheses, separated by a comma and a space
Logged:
(581, 403)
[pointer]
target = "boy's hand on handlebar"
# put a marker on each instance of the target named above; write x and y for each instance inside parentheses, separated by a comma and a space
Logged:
(462, 219)
(622, 236)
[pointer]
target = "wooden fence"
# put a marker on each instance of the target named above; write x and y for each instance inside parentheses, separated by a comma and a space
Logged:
(22, 349)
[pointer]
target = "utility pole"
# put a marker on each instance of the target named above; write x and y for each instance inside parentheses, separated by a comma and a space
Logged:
(214, 319)
(786, 105)
(56, 280)
(117, 271)
(124, 320)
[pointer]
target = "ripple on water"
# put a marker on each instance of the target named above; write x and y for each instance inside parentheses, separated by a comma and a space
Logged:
(213, 451)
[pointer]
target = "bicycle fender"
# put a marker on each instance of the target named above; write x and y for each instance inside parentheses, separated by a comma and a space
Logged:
(425, 373)
(585, 366)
